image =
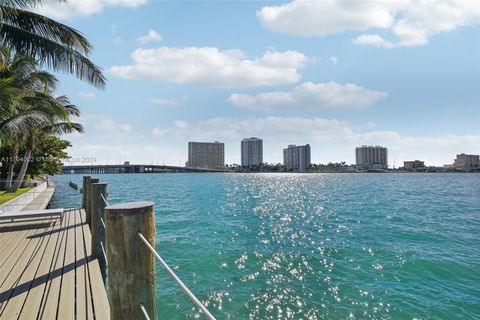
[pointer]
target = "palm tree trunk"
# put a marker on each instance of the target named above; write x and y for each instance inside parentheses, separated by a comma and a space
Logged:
(26, 160)
(11, 166)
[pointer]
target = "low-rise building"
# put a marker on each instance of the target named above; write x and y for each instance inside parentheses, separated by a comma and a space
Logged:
(412, 165)
(467, 162)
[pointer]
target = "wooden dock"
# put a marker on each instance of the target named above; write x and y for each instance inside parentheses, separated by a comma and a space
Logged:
(47, 270)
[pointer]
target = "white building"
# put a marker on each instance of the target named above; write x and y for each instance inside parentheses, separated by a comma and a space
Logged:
(371, 158)
(297, 158)
(467, 162)
(209, 155)
(252, 152)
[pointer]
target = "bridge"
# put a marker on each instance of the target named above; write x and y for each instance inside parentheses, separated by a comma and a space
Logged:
(131, 168)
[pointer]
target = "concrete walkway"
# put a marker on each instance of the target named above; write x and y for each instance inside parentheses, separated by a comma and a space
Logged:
(43, 199)
(37, 198)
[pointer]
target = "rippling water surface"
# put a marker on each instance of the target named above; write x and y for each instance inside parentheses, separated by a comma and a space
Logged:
(311, 246)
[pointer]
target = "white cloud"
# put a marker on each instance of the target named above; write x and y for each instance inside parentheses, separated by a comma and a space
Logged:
(81, 8)
(331, 140)
(333, 60)
(212, 67)
(311, 96)
(107, 153)
(112, 126)
(374, 40)
(168, 101)
(320, 18)
(411, 22)
(86, 95)
(151, 36)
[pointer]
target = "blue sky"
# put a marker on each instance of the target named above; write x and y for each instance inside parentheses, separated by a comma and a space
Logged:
(334, 74)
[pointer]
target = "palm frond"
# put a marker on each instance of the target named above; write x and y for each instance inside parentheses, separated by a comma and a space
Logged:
(54, 55)
(63, 128)
(45, 27)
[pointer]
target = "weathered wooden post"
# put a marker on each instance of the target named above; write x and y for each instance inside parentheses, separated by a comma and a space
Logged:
(97, 228)
(88, 210)
(131, 265)
(84, 194)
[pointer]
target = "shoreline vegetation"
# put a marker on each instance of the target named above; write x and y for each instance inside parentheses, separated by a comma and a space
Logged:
(5, 197)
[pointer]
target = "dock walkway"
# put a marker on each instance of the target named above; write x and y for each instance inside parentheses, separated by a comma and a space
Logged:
(47, 270)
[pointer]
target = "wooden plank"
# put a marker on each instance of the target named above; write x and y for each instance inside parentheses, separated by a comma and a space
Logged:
(35, 296)
(13, 239)
(12, 234)
(19, 292)
(66, 307)
(82, 300)
(97, 287)
(51, 273)
(88, 255)
(49, 305)
(7, 274)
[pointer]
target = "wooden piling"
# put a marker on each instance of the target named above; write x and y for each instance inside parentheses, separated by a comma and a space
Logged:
(84, 194)
(97, 228)
(88, 210)
(131, 265)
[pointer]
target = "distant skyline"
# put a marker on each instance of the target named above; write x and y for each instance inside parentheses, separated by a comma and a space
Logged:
(334, 74)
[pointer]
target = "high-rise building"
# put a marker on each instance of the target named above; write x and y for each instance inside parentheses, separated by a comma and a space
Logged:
(297, 158)
(252, 152)
(371, 158)
(467, 162)
(206, 155)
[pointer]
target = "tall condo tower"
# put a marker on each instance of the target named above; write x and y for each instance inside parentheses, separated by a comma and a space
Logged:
(210, 155)
(252, 152)
(371, 158)
(297, 158)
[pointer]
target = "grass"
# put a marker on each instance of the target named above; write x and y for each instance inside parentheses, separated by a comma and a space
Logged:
(4, 197)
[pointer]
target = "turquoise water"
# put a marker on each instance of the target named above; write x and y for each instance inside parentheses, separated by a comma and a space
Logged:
(311, 246)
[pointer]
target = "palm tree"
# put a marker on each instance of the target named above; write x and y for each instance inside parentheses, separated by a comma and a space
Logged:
(58, 110)
(19, 77)
(53, 44)
(28, 108)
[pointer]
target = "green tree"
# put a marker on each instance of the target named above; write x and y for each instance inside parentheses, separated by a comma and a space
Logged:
(58, 111)
(47, 155)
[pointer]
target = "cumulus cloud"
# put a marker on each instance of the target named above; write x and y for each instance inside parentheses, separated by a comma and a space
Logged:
(71, 9)
(112, 126)
(311, 96)
(212, 67)
(374, 40)
(333, 60)
(151, 36)
(410, 22)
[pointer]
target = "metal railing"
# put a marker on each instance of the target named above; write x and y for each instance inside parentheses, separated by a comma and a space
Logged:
(185, 289)
(144, 311)
(178, 281)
